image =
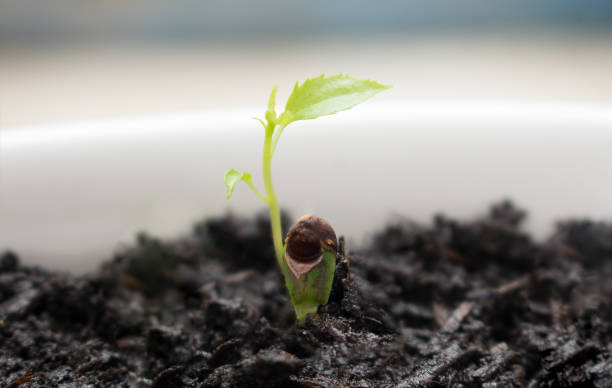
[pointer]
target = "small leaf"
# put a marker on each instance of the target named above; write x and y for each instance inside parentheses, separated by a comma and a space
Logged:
(271, 112)
(272, 98)
(260, 121)
(322, 96)
(232, 177)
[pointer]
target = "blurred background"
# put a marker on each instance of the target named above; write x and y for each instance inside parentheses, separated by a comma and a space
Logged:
(120, 116)
(65, 60)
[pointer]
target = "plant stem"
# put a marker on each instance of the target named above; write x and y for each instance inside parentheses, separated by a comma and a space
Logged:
(276, 137)
(257, 193)
(275, 219)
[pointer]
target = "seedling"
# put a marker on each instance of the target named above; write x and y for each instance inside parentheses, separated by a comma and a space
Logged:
(308, 257)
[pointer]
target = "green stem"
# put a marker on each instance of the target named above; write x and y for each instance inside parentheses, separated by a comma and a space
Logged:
(275, 219)
(257, 193)
(276, 137)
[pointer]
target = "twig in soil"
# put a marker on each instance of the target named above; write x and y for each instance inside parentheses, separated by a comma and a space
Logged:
(22, 380)
(457, 316)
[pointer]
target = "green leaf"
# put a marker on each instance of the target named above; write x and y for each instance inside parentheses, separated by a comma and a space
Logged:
(260, 121)
(232, 177)
(272, 98)
(271, 112)
(322, 96)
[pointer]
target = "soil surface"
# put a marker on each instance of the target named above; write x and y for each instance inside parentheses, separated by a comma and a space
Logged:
(452, 304)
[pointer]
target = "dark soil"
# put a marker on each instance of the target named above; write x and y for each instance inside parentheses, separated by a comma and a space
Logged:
(454, 304)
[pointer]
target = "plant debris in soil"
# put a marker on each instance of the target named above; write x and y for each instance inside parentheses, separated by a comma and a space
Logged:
(452, 304)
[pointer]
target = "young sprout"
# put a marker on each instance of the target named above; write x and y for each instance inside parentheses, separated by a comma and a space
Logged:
(308, 257)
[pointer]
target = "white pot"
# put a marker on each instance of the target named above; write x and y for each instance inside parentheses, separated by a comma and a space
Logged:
(71, 193)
